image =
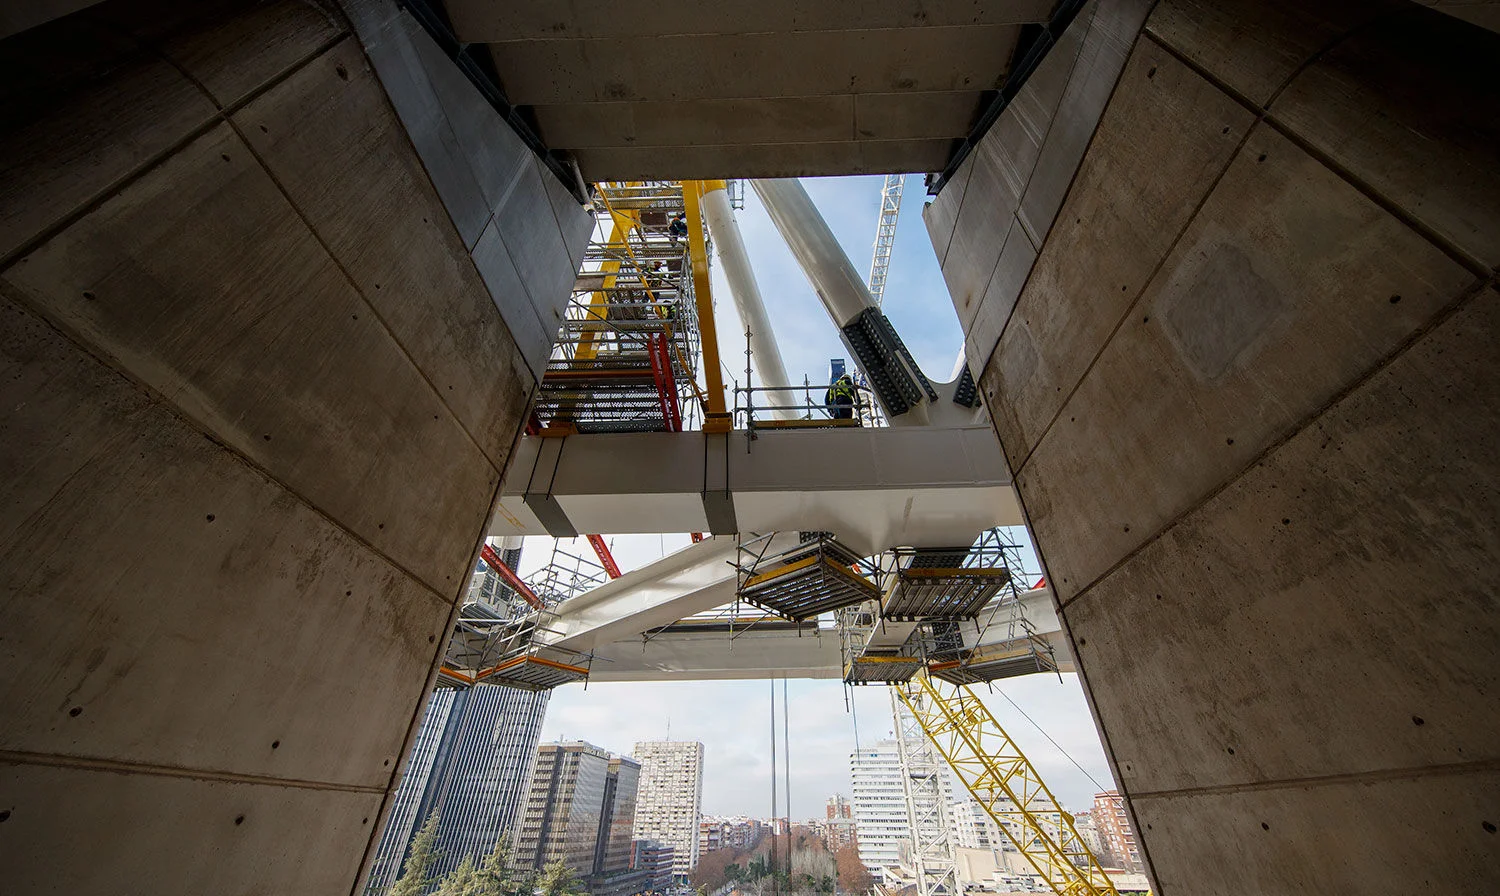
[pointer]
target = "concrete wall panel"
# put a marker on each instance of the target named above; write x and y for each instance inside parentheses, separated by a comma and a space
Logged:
(1262, 475)
(1289, 282)
(187, 835)
(392, 42)
(1397, 836)
(1127, 209)
(230, 57)
(1354, 586)
(490, 181)
(1411, 131)
(1255, 48)
(164, 599)
(216, 311)
(60, 160)
(698, 122)
(765, 160)
(385, 239)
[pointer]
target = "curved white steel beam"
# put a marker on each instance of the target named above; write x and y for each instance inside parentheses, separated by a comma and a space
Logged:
(766, 354)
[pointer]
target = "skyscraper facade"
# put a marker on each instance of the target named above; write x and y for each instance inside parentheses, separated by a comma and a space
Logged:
(580, 809)
(670, 803)
(402, 823)
(881, 828)
(471, 764)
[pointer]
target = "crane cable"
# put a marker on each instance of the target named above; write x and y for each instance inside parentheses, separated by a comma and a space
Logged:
(1049, 738)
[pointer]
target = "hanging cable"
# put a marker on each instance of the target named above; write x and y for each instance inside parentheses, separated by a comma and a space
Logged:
(775, 885)
(1049, 738)
(786, 766)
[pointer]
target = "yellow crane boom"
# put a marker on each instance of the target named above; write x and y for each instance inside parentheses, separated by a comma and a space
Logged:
(1000, 777)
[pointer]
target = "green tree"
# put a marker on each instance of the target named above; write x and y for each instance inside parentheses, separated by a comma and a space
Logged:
(463, 881)
(499, 878)
(414, 877)
(557, 879)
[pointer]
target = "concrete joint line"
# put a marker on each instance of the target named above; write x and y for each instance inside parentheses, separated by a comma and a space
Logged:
(1474, 290)
(1041, 246)
(1371, 777)
(156, 396)
(165, 404)
(112, 189)
(349, 279)
(18, 757)
(1135, 299)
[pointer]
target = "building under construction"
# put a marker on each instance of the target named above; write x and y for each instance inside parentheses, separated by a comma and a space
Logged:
(311, 306)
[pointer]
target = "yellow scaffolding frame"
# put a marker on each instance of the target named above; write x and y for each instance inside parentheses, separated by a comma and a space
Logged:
(1006, 784)
(716, 417)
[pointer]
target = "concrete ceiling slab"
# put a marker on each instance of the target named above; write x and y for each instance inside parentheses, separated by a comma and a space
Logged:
(649, 90)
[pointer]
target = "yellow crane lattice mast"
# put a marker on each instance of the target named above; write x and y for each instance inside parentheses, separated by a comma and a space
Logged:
(1004, 782)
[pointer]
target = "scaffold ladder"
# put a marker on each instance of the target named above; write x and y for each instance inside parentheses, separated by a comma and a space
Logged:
(1003, 781)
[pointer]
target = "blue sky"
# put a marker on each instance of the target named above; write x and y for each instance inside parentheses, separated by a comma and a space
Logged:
(916, 300)
(731, 718)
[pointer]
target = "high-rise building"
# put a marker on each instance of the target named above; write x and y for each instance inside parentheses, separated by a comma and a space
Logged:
(471, 764)
(671, 798)
(879, 804)
(402, 823)
(1115, 833)
(839, 807)
(973, 828)
(580, 809)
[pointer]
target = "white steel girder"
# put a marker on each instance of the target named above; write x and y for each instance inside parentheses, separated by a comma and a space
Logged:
(873, 488)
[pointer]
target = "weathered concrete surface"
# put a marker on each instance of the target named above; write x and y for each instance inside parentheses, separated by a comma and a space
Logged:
(679, 89)
(989, 221)
(259, 398)
(1249, 393)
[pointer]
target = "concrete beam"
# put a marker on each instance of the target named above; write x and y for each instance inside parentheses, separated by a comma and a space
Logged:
(875, 488)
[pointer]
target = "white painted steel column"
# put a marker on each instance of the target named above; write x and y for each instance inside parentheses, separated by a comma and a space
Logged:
(765, 353)
(828, 269)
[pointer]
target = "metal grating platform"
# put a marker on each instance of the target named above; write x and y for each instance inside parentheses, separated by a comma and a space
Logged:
(993, 666)
(877, 669)
(533, 673)
(814, 577)
(942, 592)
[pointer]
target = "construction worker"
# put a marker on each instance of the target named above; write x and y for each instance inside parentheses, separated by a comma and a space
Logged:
(839, 399)
(678, 228)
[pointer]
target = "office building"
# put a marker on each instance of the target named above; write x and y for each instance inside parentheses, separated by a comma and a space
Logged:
(579, 809)
(653, 860)
(403, 821)
(471, 764)
(670, 803)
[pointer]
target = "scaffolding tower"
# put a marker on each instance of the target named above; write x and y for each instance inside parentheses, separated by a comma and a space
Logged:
(627, 352)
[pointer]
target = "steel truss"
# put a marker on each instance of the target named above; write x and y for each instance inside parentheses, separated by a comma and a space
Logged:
(932, 856)
(1000, 777)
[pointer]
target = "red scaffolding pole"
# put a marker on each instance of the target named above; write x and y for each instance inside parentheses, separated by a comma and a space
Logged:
(508, 575)
(605, 557)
